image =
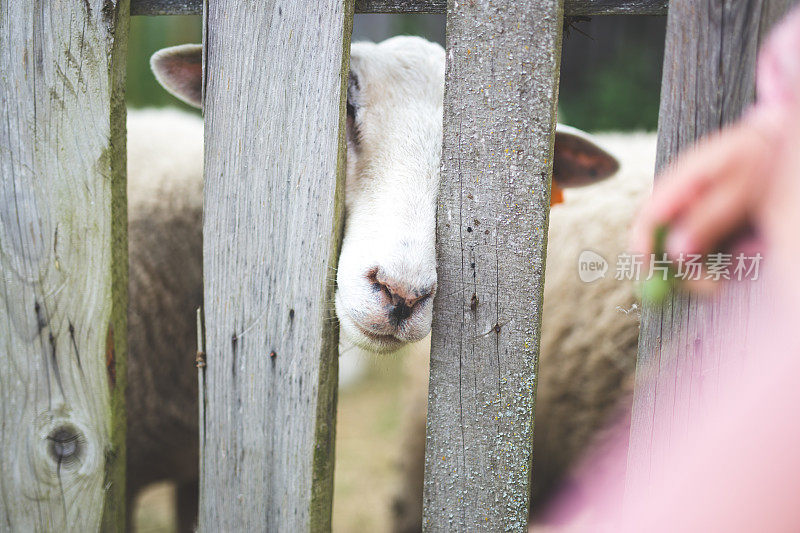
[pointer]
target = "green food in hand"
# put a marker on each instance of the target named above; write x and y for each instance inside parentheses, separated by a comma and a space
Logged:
(660, 240)
(656, 288)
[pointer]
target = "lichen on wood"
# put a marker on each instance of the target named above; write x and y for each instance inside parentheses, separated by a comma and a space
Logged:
(499, 117)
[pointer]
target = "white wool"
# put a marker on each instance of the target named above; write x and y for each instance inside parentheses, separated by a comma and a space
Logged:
(165, 157)
(597, 218)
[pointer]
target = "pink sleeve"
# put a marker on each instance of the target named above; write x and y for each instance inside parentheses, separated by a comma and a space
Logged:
(736, 466)
(778, 70)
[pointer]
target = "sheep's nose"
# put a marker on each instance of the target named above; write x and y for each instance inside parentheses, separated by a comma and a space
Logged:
(402, 297)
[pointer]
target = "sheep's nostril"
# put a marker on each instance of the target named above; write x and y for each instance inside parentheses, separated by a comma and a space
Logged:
(402, 296)
(420, 295)
(401, 311)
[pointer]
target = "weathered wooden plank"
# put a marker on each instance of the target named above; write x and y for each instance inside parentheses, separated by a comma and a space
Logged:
(166, 7)
(63, 258)
(499, 116)
(590, 8)
(401, 6)
(274, 154)
(571, 7)
(680, 342)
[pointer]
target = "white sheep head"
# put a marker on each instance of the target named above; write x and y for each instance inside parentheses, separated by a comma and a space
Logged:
(386, 278)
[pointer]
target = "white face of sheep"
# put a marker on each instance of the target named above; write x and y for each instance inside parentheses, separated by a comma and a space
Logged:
(386, 278)
(387, 268)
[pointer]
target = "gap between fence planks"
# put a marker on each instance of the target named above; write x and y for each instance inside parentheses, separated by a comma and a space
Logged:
(571, 7)
(501, 91)
(679, 342)
(274, 164)
(63, 258)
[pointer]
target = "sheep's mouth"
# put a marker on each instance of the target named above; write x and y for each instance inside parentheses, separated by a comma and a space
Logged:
(376, 336)
(362, 336)
(376, 342)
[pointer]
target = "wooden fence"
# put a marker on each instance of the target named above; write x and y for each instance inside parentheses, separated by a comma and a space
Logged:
(267, 423)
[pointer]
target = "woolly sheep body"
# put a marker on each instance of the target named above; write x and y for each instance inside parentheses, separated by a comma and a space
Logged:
(165, 202)
(589, 332)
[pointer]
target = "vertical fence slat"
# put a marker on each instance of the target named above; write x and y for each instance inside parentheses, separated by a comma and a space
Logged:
(274, 153)
(709, 77)
(503, 61)
(63, 265)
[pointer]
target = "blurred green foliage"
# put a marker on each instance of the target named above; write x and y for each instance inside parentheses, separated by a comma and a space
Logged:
(610, 75)
(147, 35)
(623, 95)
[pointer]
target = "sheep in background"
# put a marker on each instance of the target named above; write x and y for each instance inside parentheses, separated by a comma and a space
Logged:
(165, 225)
(386, 277)
(589, 333)
(590, 330)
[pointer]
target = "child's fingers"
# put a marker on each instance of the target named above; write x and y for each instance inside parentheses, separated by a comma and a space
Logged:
(717, 214)
(715, 164)
(681, 185)
(666, 204)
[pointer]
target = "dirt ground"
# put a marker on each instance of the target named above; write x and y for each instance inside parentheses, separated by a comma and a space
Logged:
(367, 451)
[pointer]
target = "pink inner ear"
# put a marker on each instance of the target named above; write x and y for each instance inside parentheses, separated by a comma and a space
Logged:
(180, 71)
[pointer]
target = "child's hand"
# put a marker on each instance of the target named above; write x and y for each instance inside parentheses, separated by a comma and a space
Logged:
(709, 193)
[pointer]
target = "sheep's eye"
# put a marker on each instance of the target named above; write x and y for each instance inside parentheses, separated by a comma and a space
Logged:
(352, 105)
(352, 94)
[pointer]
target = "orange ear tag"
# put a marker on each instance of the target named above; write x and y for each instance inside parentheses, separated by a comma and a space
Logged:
(556, 194)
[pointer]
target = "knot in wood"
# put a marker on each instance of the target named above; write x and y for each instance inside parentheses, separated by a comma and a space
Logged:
(66, 445)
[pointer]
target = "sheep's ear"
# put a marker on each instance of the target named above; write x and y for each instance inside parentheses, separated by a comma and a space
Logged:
(578, 160)
(179, 69)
